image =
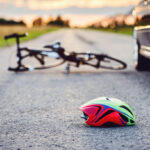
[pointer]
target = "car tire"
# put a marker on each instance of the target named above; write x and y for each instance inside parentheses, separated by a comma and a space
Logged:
(141, 63)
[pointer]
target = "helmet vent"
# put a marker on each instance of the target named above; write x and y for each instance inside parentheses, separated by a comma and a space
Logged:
(127, 109)
(85, 116)
(105, 114)
(131, 121)
(98, 110)
(123, 117)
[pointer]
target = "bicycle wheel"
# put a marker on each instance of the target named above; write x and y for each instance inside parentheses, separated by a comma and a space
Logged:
(37, 60)
(112, 63)
(102, 61)
(42, 60)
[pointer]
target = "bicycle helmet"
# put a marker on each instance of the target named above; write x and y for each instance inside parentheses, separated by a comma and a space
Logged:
(106, 112)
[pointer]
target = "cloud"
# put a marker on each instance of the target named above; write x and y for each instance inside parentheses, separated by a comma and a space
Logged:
(19, 3)
(58, 4)
(78, 11)
(10, 10)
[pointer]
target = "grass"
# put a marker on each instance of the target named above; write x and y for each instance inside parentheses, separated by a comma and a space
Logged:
(118, 30)
(33, 33)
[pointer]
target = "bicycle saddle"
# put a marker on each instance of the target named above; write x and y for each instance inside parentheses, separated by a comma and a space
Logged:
(53, 46)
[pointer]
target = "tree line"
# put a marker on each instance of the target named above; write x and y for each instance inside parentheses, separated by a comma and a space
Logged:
(58, 21)
(10, 22)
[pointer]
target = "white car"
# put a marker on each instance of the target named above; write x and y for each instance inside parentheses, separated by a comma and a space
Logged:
(142, 35)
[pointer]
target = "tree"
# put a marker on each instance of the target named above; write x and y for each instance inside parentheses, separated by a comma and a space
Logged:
(59, 21)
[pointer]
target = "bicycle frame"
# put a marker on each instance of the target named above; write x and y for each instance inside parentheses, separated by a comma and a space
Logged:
(57, 52)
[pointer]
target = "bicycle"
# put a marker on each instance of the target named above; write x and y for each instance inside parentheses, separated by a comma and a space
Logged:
(60, 56)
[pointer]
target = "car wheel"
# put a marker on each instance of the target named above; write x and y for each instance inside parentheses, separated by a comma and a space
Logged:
(141, 63)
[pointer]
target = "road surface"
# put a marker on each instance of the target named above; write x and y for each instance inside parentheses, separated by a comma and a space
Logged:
(39, 110)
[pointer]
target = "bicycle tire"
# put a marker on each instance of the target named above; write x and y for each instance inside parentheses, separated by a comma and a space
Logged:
(17, 69)
(30, 62)
(119, 65)
(102, 61)
(30, 68)
(50, 66)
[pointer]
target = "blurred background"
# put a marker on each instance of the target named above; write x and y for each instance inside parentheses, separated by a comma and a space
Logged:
(41, 16)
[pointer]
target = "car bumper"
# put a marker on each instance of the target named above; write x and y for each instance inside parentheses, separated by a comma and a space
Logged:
(145, 51)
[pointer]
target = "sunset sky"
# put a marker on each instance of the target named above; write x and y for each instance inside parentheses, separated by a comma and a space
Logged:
(86, 10)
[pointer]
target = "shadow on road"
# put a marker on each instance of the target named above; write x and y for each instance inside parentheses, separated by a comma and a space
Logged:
(145, 74)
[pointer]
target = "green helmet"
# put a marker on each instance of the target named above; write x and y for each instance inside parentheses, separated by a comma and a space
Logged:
(105, 111)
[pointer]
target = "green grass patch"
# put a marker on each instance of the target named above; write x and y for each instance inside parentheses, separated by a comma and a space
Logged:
(33, 33)
(118, 30)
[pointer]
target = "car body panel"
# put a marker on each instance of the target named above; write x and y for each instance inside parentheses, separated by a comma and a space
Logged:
(142, 35)
(142, 29)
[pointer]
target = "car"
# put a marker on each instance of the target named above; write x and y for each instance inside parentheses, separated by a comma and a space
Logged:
(141, 35)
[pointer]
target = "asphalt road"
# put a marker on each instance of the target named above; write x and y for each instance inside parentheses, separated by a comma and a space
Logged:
(39, 110)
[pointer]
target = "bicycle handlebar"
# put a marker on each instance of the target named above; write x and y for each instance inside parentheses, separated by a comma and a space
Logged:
(15, 35)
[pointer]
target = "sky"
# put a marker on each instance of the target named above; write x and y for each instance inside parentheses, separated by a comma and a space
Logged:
(83, 10)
